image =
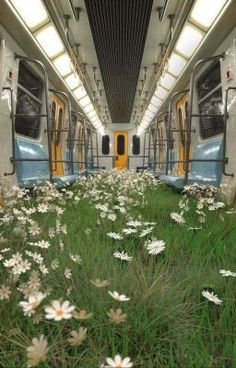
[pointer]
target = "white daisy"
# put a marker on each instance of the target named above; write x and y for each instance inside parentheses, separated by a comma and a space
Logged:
(5, 292)
(59, 310)
(154, 246)
(129, 231)
(177, 218)
(118, 297)
(146, 232)
(115, 236)
(37, 352)
(123, 256)
(32, 303)
(212, 297)
(119, 362)
(228, 273)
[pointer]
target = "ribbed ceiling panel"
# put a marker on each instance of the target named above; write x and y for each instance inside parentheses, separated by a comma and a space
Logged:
(119, 29)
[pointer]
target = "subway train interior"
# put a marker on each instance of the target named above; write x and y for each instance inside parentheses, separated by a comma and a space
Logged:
(118, 183)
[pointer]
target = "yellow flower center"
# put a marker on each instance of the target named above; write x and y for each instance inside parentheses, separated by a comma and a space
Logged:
(59, 312)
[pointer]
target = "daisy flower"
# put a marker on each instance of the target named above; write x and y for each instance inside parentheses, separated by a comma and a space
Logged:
(5, 292)
(119, 362)
(228, 273)
(82, 314)
(129, 231)
(37, 352)
(177, 218)
(123, 256)
(115, 236)
(118, 297)
(146, 232)
(59, 310)
(100, 283)
(154, 246)
(116, 316)
(77, 338)
(32, 303)
(211, 297)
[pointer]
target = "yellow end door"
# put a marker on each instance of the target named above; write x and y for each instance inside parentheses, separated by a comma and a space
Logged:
(57, 114)
(182, 108)
(121, 150)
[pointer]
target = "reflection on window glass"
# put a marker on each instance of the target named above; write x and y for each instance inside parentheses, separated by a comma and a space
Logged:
(28, 103)
(136, 145)
(120, 144)
(210, 102)
(105, 144)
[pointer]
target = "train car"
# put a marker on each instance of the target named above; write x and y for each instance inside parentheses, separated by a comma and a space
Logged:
(65, 113)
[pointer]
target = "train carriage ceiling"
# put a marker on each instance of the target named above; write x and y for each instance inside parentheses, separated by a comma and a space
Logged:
(119, 29)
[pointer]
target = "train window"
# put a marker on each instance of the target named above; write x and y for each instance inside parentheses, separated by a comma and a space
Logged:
(211, 103)
(181, 127)
(136, 145)
(120, 144)
(59, 127)
(28, 103)
(105, 144)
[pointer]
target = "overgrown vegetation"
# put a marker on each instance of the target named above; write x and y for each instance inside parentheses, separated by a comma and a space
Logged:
(104, 235)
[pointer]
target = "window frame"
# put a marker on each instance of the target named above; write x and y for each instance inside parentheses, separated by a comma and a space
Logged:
(107, 137)
(33, 97)
(135, 136)
(218, 87)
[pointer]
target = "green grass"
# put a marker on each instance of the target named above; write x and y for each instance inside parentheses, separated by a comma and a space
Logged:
(169, 323)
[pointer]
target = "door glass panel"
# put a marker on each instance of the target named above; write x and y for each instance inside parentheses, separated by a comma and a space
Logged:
(59, 127)
(120, 145)
(105, 144)
(136, 145)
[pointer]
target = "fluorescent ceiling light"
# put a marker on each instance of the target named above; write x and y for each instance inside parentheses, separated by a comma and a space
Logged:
(167, 81)
(91, 114)
(84, 101)
(153, 108)
(73, 81)
(88, 108)
(94, 119)
(156, 101)
(50, 41)
(176, 64)
(33, 13)
(63, 64)
(188, 41)
(149, 114)
(80, 92)
(161, 93)
(205, 12)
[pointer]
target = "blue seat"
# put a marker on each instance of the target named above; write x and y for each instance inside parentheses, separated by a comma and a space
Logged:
(201, 172)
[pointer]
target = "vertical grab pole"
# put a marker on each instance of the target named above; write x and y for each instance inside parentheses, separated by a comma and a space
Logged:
(144, 149)
(225, 159)
(12, 134)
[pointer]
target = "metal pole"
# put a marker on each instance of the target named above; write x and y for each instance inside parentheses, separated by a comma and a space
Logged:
(13, 158)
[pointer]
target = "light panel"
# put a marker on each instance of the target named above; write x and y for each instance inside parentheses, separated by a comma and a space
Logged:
(188, 41)
(50, 41)
(73, 81)
(205, 12)
(91, 114)
(80, 92)
(84, 101)
(167, 81)
(149, 114)
(161, 92)
(176, 64)
(88, 108)
(63, 64)
(156, 101)
(153, 108)
(33, 14)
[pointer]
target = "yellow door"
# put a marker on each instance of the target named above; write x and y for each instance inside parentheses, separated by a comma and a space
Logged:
(182, 109)
(57, 113)
(121, 150)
